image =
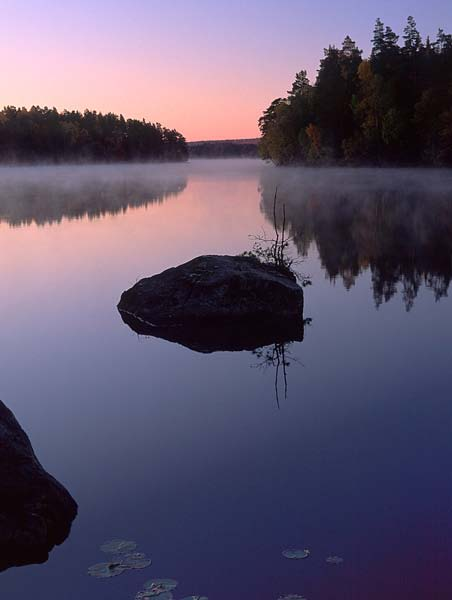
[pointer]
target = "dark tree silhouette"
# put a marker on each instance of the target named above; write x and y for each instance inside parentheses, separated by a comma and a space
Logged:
(44, 134)
(392, 108)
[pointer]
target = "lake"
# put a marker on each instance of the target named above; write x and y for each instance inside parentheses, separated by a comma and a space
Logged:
(194, 455)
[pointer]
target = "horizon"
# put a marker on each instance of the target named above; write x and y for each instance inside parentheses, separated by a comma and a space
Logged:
(149, 61)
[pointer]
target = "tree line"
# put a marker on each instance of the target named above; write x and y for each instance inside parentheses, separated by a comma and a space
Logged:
(45, 134)
(223, 149)
(394, 107)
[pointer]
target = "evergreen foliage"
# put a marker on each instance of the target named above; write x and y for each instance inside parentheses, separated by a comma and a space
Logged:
(394, 107)
(44, 134)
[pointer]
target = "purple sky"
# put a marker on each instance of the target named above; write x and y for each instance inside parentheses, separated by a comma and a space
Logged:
(207, 68)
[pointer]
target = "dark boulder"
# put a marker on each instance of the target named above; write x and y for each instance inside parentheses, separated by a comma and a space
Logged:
(217, 303)
(36, 512)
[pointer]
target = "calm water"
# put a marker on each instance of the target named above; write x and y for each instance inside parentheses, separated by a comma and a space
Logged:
(188, 453)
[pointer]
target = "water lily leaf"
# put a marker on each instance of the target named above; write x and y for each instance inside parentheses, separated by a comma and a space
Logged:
(146, 594)
(296, 554)
(195, 598)
(104, 570)
(155, 587)
(118, 546)
(135, 560)
(292, 597)
(334, 560)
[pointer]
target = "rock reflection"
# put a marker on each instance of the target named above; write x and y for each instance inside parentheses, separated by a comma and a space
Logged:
(271, 347)
(221, 336)
(397, 223)
(45, 195)
(36, 512)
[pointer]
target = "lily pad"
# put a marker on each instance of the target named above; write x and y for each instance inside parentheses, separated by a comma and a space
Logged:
(334, 560)
(105, 570)
(118, 546)
(134, 560)
(296, 554)
(146, 594)
(195, 598)
(292, 597)
(155, 587)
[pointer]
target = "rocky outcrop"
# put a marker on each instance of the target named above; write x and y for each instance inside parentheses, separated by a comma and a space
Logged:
(36, 512)
(217, 303)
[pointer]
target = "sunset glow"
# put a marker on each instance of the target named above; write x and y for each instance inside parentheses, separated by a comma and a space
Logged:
(205, 68)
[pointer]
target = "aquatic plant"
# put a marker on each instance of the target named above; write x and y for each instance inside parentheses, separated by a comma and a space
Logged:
(145, 595)
(106, 569)
(117, 546)
(135, 560)
(334, 560)
(125, 559)
(195, 598)
(160, 585)
(296, 554)
(292, 597)
(157, 587)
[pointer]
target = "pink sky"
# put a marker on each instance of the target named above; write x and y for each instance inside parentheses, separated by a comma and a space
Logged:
(205, 68)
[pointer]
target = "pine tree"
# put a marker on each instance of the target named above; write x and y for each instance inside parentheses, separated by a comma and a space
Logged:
(300, 85)
(349, 48)
(412, 37)
(378, 41)
(390, 40)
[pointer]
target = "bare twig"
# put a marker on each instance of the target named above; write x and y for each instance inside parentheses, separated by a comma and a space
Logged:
(275, 225)
(272, 249)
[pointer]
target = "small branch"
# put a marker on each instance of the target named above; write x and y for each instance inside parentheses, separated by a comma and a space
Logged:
(275, 225)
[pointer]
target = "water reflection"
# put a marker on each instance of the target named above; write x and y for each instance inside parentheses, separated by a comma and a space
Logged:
(270, 345)
(36, 512)
(221, 336)
(277, 357)
(397, 223)
(45, 195)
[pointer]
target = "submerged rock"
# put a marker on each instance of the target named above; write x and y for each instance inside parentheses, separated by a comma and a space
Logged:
(36, 512)
(217, 303)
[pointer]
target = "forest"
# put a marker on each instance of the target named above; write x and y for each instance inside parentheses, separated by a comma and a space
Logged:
(224, 149)
(46, 135)
(392, 108)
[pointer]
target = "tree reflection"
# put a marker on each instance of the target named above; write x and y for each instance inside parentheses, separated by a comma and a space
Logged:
(271, 347)
(45, 195)
(276, 357)
(397, 224)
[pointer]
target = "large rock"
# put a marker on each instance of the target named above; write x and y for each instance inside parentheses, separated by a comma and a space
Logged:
(217, 303)
(36, 512)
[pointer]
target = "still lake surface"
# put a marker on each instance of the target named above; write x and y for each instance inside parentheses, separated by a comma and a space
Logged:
(187, 453)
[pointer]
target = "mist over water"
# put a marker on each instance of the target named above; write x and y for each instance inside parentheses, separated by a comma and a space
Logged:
(50, 193)
(188, 454)
(395, 222)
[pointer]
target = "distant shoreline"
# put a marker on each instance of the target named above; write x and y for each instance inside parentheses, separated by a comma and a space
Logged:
(242, 148)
